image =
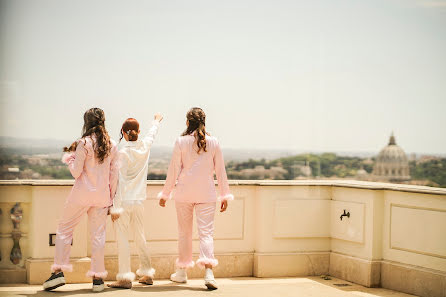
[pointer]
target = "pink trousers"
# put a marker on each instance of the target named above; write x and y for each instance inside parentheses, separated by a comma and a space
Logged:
(71, 216)
(205, 213)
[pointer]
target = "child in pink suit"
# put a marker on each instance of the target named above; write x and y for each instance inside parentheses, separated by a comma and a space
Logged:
(196, 156)
(94, 167)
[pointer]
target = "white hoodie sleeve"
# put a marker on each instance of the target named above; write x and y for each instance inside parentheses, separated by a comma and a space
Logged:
(150, 137)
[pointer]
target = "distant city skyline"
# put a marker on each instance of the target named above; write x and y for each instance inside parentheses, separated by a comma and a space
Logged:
(294, 75)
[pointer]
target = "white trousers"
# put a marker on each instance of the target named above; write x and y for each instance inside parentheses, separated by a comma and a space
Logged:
(131, 220)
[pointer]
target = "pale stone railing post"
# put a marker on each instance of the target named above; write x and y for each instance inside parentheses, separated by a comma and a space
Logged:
(1, 213)
(16, 234)
(14, 220)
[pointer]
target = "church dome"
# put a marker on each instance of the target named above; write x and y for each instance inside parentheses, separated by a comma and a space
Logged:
(392, 163)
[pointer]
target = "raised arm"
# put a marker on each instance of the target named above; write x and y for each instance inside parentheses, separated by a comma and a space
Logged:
(172, 173)
(76, 164)
(150, 137)
(220, 172)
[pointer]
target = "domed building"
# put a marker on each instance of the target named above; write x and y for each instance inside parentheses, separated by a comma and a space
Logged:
(391, 163)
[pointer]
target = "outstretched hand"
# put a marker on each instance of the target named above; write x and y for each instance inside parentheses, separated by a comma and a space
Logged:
(162, 202)
(158, 117)
(224, 205)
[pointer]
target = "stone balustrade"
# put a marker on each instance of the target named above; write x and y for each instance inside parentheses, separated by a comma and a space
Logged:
(394, 236)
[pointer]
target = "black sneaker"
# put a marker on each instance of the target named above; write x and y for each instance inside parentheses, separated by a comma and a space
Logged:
(98, 285)
(55, 281)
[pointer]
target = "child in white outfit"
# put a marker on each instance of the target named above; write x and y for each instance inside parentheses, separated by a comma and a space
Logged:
(128, 208)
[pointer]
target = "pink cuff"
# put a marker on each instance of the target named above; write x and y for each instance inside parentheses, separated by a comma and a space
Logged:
(102, 275)
(205, 261)
(68, 157)
(226, 197)
(161, 195)
(64, 268)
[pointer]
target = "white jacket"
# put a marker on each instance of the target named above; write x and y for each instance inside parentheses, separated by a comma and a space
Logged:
(133, 169)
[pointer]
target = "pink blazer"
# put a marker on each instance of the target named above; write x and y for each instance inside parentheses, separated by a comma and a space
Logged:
(195, 172)
(95, 184)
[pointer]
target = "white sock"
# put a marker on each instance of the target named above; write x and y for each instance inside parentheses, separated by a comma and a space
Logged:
(209, 274)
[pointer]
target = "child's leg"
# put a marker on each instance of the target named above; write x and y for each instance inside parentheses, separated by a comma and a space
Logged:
(71, 216)
(205, 213)
(145, 267)
(122, 230)
(97, 218)
(184, 215)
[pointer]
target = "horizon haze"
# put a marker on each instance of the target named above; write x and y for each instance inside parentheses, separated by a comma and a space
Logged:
(290, 75)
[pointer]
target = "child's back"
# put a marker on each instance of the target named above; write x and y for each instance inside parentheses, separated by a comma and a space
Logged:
(134, 167)
(94, 180)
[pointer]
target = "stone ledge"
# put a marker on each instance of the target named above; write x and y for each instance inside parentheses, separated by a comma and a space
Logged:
(230, 265)
(359, 271)
(13, 276)
(390, 275)
(413, 279)
(322, 182)
(291, 264)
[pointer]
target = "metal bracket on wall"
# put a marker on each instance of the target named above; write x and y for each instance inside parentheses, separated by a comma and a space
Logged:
(345, 215)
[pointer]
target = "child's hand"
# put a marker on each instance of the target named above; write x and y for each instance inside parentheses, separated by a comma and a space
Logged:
(114, 217)
(162, 202)
(224, 205)
(158, 117)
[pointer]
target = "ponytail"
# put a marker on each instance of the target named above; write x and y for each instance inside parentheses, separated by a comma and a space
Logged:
(201, 137)
(197, 123)
(133, 136)
(94, 124)
(131, 128)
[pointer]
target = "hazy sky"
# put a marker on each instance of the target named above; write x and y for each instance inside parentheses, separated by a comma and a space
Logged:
(307, 75)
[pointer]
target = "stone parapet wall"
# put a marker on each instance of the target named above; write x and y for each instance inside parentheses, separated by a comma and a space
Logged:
(271, 229)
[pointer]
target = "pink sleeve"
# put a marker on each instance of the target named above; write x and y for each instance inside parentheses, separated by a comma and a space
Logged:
(172, 173)
(220, 172)
(114, 168)
(76, 164)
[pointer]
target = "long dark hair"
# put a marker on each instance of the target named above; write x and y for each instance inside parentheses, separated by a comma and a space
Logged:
(94, 124)
(196, 122)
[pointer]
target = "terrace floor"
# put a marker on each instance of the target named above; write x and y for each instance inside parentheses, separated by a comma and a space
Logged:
(228, 287)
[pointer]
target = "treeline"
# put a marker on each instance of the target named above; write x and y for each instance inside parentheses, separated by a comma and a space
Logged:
(49, 169)
(322, 165)
(432, 170)
(327, 165)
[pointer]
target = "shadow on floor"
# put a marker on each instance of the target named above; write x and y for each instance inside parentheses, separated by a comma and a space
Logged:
(350, 287)
(165, 288)
(136, 288)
